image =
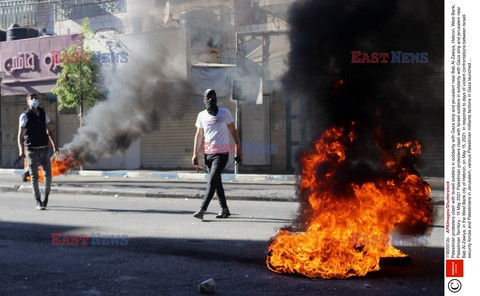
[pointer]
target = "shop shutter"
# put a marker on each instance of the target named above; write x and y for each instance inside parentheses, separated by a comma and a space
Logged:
(171, 146)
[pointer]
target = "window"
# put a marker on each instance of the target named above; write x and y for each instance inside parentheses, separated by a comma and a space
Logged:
(23, 13)
(77, 9)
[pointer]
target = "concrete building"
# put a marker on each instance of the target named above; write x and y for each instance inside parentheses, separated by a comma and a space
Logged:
(243, 40)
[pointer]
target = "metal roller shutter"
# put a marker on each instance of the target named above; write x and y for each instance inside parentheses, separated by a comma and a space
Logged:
(171, 146)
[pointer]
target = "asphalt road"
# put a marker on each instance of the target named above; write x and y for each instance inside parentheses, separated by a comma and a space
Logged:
(169, 252)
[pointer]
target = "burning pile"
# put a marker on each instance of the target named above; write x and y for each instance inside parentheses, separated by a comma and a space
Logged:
(348, 229)
(359, 180)
(60, 165)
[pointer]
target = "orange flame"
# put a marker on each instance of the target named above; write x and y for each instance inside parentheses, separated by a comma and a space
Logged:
(415, 147)
(347, 235)
(60, 166)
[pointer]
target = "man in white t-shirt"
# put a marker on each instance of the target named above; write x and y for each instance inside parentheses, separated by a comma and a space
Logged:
(214, 124)
(34, 135)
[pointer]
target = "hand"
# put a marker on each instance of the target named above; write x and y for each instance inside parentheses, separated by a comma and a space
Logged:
(55, 149)
(239, 157)
(195, 159)
(21, 154)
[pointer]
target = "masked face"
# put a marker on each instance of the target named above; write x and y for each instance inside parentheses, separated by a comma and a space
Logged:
(34, 103)
(210, 100)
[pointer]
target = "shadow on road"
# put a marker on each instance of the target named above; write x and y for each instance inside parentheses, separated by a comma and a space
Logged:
(168, 266)
(104, 210)
(233, 218)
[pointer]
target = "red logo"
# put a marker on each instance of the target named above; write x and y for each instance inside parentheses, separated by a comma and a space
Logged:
(454, 268)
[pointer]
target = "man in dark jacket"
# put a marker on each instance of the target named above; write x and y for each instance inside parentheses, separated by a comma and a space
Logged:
(34, 133)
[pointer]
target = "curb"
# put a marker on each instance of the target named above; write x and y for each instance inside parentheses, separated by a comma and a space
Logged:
(174, 176)
(134, 192)
(437, 196)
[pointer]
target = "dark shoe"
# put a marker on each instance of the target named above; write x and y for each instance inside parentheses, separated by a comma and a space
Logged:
(224, 213)
(25, 176)
(199, 214)
(45, 202)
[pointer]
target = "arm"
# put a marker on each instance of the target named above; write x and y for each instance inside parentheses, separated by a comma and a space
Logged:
(51, 138)
(21, 134)
(196, 145)
(236, 138)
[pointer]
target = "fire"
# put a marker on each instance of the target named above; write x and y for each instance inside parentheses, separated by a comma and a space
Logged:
(415, 147)
(60, 165)
(348, 232)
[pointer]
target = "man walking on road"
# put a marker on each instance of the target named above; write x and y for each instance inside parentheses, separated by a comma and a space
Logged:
(34, 132)
(214, 124)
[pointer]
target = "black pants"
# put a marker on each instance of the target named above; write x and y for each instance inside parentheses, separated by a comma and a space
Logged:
(215, 163)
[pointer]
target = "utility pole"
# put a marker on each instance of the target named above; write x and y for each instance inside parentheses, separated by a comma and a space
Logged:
(2, 74)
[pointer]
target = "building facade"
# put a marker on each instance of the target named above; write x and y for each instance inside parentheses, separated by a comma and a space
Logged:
(240, 47)
(28, 67)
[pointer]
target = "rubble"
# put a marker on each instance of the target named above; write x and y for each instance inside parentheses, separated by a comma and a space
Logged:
(207, 287)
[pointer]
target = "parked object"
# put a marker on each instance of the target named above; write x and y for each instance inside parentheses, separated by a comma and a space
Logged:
(15, 32)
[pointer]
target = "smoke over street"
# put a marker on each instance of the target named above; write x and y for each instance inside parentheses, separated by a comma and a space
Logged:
(390, 103)
(149, 82)
(364, 70)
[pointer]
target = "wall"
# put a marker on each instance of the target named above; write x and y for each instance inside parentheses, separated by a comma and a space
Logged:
(11, 108)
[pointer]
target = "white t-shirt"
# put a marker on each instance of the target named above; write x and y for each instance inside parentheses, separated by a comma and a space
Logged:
(215, 130)
(22, 121)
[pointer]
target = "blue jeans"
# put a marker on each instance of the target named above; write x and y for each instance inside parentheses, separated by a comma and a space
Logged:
(215, 163)
(36, 158)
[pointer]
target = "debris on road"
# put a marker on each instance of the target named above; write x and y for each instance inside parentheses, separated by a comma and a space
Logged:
(207, 287)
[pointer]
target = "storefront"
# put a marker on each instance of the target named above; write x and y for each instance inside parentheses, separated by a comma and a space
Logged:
(260, 116)
(28, 67)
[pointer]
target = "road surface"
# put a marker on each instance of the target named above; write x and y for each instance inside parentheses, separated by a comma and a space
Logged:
(168, 252)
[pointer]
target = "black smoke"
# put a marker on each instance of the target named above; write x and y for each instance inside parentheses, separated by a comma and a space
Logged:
(389, 103)
(151, 81)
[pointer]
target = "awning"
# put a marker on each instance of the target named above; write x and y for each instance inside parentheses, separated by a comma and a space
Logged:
(216, 76)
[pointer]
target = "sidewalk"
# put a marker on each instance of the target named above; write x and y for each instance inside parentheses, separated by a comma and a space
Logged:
(142, 183)
(174, 184)
(181, 176)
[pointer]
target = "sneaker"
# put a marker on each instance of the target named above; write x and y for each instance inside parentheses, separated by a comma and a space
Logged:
(39, 205)
(45, 202)
(224, 213)
(199, 214)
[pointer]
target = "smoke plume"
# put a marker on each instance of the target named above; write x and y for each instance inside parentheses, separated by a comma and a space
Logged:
(387, 101)
(137, 91)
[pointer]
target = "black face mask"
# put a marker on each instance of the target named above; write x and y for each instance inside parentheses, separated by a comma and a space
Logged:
(211, 104)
